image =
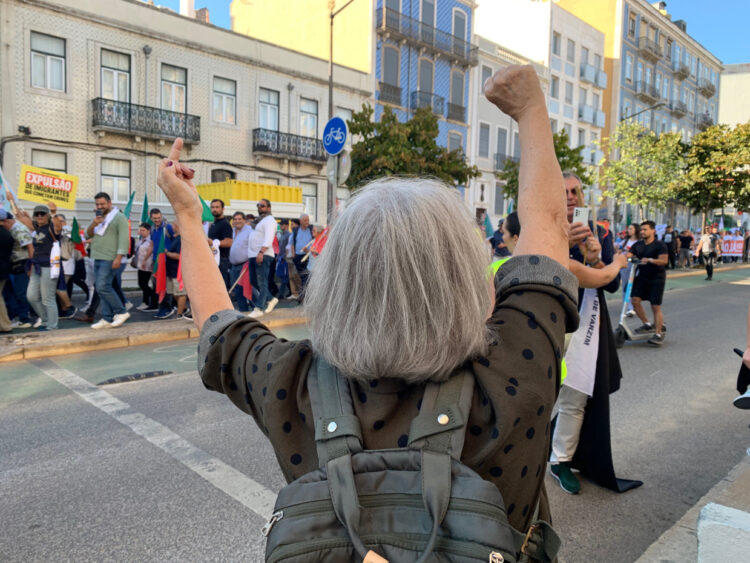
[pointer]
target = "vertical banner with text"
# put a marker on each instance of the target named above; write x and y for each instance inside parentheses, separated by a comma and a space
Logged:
(40, 185)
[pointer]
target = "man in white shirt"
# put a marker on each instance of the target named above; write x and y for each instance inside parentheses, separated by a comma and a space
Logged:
(261, 258)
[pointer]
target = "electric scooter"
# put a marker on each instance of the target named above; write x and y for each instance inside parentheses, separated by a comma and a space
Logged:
(623, 332)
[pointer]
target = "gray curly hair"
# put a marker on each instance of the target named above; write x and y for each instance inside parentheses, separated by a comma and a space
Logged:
(401, 289)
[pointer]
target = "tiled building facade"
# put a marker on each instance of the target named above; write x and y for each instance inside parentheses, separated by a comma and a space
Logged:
(102, 88)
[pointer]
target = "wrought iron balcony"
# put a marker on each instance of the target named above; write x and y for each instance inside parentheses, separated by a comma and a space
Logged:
(144, 121)
(678, 109)
(390, 94)
(456, 112)
(704, 122)
(649, 49)
(706, 87)
(420, 99)
(680, 70)
(286, 145)
(646, 92)
(392, 23)
(501, 159)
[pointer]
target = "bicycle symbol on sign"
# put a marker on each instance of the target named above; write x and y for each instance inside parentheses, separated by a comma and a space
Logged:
(336, 135)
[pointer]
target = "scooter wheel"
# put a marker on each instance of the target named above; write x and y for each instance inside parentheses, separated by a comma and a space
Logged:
(619, 337)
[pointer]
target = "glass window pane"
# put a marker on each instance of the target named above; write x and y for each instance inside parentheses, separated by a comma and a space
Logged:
(390, 66)
(179, 104)
(173, 74)
(486, 74)
(309, 188)
(116, 167)
(49, 159)
(484, 140)
(308, 106)
(47, 44)
(229, 109)
(459, 24)
(218, 107)
(38, 71)
(113, 59)
(166, 95)
(108, 84)
(108, 185)
(502, 140)
(225, 86)
(457, 89)
(343, 113)
(123, 87)
(425, 75)
(56, 73)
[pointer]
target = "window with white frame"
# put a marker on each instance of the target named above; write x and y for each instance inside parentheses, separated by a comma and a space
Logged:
(390, 65)
(502, 141)
(47, 62)
(268, 109)
(308, 118)
(499, 199)
(310, 199)
(597, 62)
(115, 76)
(553, 125)
(426, 74)
(595, 100)
(486, 74)
(173, 88)
(554, 88)
(584, 55)
(454, 141)
(668, 50)
(344, 113)
(571, 52)
(582, 96)
(581, 137)
(225, 100)
(626, 109)
(631, 25)
(115, 178)
(484, 140)
(639, 72)
(457, 88)
(569, 132)
(665, 88)
(51, 160)
(569, 93)
(556, 41)
(516, 145)
(629, 67)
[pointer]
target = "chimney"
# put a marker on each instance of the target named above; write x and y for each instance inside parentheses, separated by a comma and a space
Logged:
(682, 24)
(187, 8)
(202, 15)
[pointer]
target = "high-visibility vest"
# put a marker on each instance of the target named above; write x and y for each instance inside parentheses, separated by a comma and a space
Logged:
(494, 267)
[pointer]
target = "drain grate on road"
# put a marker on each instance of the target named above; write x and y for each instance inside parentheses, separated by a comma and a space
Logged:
(134, 377)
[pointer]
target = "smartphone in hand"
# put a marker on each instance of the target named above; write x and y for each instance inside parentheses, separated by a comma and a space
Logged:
(581, 214)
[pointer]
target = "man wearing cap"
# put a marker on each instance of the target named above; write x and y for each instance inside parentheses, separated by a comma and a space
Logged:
(18, 280)
(42, 286)
(109, 244)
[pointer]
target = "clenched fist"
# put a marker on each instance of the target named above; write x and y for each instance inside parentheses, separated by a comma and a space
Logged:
(515, 90)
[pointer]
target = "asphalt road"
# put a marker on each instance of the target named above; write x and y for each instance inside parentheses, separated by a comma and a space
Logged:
(162, 470)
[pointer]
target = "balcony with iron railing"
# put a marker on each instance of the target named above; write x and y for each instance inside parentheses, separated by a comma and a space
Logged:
(706, 87)
(501, 159)
(144, 121)
(392, 23)
(286, 145)
(456, 112)
(680, 70)
(647, 92)
(389, 93)
(678, 109)
(421, 99)
(704, 121)
(649, 49)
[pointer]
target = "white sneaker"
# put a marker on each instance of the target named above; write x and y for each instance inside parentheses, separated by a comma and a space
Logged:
(128, 305)
(101, 323)
(271, 304)
(119, 320)
(255, 313)
(293, 296)
(142, 306)
(37, 323)
(19, 324)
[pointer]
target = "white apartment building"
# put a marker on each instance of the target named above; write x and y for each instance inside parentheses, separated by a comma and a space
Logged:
(98, 89)
(573, 52)
(733, 108)
(494, 134)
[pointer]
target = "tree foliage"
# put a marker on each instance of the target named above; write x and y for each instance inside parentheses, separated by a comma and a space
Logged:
(391, 147)
(718, 169)
(643, 168)
(569, 159)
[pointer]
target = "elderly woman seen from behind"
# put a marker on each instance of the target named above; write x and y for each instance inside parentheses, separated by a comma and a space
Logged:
(392, 311)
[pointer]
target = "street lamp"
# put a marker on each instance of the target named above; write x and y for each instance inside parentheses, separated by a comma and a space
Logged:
(333, 14)
(655, 106)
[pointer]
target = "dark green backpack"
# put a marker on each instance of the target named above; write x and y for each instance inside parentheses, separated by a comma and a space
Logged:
(418, 503)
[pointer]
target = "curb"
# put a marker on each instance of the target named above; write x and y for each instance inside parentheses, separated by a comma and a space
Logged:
(702, 271)
(118, 339)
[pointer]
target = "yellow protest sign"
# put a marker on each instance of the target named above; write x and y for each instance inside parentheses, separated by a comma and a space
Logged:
(41, 185)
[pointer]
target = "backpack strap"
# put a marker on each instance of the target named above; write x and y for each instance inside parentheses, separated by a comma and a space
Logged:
(540, 543)
(337, 429)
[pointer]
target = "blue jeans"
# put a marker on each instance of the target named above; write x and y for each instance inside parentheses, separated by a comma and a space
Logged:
(234, 273)
(104, 275)
(41, 296)
(259, 278)
(15, 292)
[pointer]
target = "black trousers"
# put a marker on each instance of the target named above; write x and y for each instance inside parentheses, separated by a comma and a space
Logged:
(709, 260)
(150, 297)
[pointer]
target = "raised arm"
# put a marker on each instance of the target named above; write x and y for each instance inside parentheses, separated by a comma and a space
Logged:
(515, 90)
(205, 286)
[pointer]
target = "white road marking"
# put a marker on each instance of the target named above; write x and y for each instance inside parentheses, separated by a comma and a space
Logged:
(227, 479)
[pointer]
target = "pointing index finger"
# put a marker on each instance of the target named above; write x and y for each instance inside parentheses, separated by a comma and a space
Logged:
(174, 153)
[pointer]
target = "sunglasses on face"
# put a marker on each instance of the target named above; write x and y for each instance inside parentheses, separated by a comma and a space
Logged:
(40, 214)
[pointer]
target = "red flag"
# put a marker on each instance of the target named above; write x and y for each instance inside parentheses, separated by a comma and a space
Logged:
(244, 283)
(160, 269)
(76, 236)
(179, 274)
(320, 242)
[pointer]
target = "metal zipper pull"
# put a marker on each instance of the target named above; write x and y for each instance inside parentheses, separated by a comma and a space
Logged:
(496, 557)
(275, 517)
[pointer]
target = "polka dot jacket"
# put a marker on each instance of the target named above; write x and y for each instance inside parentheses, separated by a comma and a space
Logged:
(508, 433)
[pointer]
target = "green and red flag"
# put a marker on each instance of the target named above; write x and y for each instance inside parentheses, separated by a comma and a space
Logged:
(129, 206)
(160, 269)
(207, 216)
(144, 213)
(75, 237)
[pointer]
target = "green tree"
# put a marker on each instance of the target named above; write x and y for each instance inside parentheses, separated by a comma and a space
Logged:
(643, 168)
(569, 159)
(390, 147)
(718, 169)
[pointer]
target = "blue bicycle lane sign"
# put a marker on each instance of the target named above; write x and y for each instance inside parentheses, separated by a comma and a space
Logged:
(334, 135)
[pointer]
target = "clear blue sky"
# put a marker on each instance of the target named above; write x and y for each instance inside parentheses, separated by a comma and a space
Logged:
(719, 25)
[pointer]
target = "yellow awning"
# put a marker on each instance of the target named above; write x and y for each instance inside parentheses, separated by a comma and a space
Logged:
(249, 191)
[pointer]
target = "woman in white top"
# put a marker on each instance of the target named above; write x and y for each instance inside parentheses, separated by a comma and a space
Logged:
(634, 235)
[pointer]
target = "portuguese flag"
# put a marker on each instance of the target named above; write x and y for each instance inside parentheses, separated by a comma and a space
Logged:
(160, 268)
(75, 237)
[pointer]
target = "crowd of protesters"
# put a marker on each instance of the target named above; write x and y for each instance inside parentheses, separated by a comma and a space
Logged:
(40, 264)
